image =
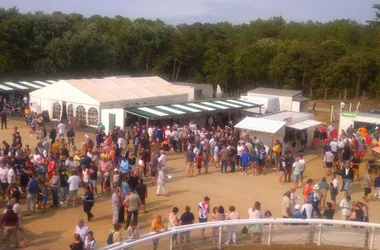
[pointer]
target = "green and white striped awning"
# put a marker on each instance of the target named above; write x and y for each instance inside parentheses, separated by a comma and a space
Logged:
(23, 85)
(162, 111)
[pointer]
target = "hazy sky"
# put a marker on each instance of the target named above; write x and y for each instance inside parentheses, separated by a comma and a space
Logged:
(189, 11)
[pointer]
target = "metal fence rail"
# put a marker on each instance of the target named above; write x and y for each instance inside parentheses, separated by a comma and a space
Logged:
(274, 231)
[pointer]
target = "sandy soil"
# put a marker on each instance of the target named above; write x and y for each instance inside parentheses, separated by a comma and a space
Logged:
(54, 230)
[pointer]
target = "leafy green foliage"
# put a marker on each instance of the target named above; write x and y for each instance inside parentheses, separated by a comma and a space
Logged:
(274, 52)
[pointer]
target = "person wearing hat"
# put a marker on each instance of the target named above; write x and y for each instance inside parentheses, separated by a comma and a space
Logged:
(286, 205)
(297, 214)
(10, 223)
(132, 203)
(315, 200)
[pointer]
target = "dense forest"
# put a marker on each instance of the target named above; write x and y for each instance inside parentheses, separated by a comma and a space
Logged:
(277, 53)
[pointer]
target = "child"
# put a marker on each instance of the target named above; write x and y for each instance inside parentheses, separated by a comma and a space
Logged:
(116, 178)
(199, 161)
(107, 183)
(231, 233)
(329, 213)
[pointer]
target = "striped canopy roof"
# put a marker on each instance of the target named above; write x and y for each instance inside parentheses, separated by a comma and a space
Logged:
(23, 85)
(163, 111)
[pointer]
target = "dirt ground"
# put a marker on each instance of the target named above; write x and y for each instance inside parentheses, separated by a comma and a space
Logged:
(298, 247)
(54, 229)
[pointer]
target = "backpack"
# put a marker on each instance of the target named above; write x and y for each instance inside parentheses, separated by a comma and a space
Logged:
(110, 238)
(311, 198)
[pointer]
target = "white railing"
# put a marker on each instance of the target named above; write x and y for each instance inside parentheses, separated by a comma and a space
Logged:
(279, 231)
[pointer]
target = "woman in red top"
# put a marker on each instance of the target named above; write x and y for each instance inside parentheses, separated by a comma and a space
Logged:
(368, 142)
(199, 161)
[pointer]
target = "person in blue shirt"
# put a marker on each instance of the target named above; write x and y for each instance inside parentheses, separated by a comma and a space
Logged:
(159, 134)
(124, 166)
(124, 187)
(136, 142)
(244, 162)
(31, 197)
(255, 162)
(262, 160)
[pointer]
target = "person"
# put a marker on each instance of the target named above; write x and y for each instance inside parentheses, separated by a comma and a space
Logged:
(255, 213)
(314, 106)
(190, 158)
(346, 206)
(4, 178)
(54, 184)
(77, 244)
(82, 230)
(329, 158)
(161, 182)
(365, 209)
(3, 115)
(133, 231)
(231, 230)
(9, 221)
(174, 222)
(329, 212)
(187, 218)
(73, 182)
(61, 129)
(142, 191)
(297, 214)
(282, 168)
(70, 136)
(323, 189)
(31, 197)
(367, 184)
(218, 215)
(223, 154)
(307, 191)
(116, 204)
(132, 202)
(307, 209)
(153, 167)
(315, 201)
(334, 188)
(316, 136)
(348, 176)
(157, 226)
(116, 234)
(90, 242)
(244, 162)
(17, 209)
(376, 184)
(297, 168)
(88, 202)
(203, 210)
(355, 163)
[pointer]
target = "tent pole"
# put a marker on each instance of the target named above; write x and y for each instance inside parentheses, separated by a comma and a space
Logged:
(147, 124)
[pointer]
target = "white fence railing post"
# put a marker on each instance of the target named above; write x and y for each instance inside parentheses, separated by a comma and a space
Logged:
(171, 242)
(372, 238)
(220, 238)
(270, 233)
(319, 234)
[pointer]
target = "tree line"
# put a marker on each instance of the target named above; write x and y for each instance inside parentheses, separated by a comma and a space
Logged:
(273, 53)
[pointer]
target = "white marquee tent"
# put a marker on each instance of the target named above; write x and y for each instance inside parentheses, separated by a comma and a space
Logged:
(90, 99)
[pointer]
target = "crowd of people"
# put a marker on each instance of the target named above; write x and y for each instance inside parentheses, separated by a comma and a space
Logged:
(120, 163)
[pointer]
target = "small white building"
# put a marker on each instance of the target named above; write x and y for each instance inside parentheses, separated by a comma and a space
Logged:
(197, 90)
(94, 100)
(288, 99)
(357, 119)
(279, 126)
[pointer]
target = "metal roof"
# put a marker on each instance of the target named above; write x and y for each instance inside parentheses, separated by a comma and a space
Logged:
(304, 124)
(23, 85)
(275, 92)
(164, 111)
(260, 125)
(300, 98)
(367, 118)
(289, 116)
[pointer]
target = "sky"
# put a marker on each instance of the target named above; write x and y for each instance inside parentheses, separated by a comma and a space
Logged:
(190, 11)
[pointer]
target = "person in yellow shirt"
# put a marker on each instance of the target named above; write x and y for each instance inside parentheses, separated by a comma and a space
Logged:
(27, 113)
(55, 148)
(105, 155)
(157, 227)
(276, 152)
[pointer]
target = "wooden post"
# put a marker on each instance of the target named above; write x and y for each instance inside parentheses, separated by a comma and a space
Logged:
(325, 94)
(331, 113)
(350, 106)
(345, 94)
(311, 94)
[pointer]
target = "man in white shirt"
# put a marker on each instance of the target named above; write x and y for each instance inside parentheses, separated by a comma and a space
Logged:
(334, 189)
(17, 209)
(73, 182)
(82, 230)
(346, 206)
(303, 162)
(25, 100)
(3, 178)
(11, 176)
(329, 158)
(61, 129)
(161, 183)
(162, 158)
(334, 147)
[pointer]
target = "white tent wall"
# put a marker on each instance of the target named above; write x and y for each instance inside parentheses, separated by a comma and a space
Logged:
(119, 118)
(266, 138)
